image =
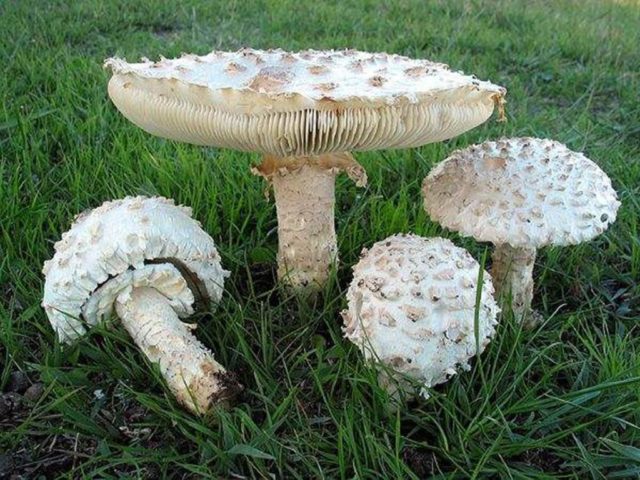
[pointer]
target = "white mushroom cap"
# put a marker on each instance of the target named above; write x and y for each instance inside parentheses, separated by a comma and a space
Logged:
(411, 306)
(133, 242)
(305, 103)
(525, 192)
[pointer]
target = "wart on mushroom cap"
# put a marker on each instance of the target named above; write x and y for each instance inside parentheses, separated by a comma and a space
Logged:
(520, 194)
(151, 262)
(411, 307)
(306, 105)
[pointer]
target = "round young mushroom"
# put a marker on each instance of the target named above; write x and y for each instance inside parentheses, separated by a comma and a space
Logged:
(148, 260)
(304, 112)
(520, 194)
(412, 308)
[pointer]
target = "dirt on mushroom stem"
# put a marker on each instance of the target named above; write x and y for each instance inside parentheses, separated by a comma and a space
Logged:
(304, 192)
(189, 369)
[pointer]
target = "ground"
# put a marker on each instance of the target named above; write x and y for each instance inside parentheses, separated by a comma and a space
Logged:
(560, 401)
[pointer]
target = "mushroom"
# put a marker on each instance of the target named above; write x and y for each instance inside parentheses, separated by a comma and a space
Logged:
(304, 112)
(148, 260)
(520, 194)
(412, 308)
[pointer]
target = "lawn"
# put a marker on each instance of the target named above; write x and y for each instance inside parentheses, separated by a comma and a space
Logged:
(559, 401)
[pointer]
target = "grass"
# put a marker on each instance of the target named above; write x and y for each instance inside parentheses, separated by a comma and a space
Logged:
(561, 401)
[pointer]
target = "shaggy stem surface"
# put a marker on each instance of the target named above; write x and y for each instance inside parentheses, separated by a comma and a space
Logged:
(193, 376)
(304, 191)
(512, 273)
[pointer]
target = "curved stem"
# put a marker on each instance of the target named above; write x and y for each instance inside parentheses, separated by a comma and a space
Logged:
(304, 191)
(192, 374)
(512, 274)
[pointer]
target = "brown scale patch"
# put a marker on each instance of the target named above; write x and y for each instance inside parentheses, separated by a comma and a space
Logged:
(253, 56)
(387, 319)
(326, 87)
(413, 313)
(397, 362)
(377, 81)
(494, 163)
(207, 368)
(269, 80)
(288, 58)
(317, 69)
(233, 67)
(415, 72)
(356, 66)
(447, 274)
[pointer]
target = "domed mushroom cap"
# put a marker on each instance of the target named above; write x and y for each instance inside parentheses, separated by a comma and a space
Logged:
(411, 306)
(525, 192)
(305, 103)
(133, 242)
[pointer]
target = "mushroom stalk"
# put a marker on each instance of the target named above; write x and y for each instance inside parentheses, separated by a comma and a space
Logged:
(195, 378)
(512, 273)
(304, 192)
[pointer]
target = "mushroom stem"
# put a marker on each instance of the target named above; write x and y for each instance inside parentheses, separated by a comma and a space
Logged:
(304, 191)
(512, 273)
(195, 378)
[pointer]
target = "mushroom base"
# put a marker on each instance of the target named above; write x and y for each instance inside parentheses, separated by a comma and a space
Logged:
(193, 376)
(512, 273)
(304, 191)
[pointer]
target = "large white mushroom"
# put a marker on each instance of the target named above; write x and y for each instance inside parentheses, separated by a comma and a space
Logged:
(412, 308)
(148, 260)
(304, 112)
(520, 194)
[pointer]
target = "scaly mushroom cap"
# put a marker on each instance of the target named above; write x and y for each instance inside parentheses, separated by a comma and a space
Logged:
(525, 192)
(305, 103)
(411, 306)
(133, 242)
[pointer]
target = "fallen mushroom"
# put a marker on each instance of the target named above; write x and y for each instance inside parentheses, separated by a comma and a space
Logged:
(520, 194)
(148, 260)
(412, 307)
(303, 111)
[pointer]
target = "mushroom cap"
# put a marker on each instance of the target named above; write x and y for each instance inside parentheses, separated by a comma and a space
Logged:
(411, 306)
(525, 192)
(305, 103)
(133, 242)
